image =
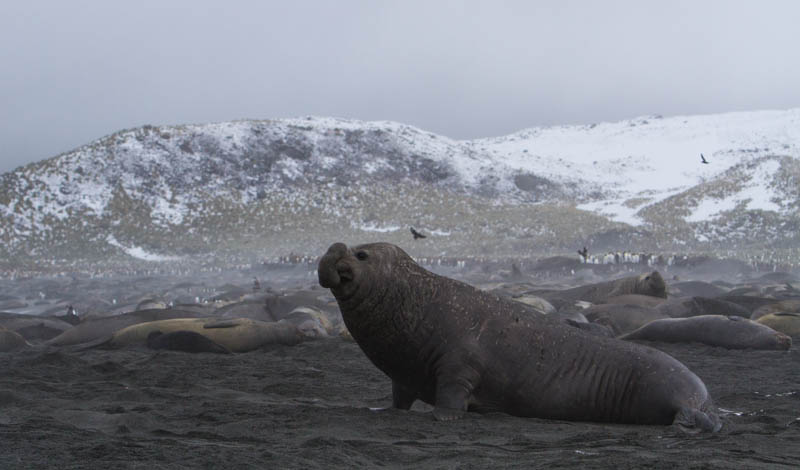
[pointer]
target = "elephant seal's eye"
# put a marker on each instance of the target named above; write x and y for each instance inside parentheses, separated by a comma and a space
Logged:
(362, 255)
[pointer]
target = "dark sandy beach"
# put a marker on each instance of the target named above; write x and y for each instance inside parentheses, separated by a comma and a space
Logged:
(307, 406)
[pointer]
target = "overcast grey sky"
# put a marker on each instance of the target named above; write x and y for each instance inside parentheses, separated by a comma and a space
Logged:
(72, 71)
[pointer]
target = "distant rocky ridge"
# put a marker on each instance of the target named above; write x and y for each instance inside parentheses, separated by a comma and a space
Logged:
(250, 190)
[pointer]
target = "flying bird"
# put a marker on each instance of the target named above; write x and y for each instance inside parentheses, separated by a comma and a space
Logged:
(416, 234)
(703, 159)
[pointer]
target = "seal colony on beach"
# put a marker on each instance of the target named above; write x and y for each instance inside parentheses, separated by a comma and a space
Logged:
(462, 349)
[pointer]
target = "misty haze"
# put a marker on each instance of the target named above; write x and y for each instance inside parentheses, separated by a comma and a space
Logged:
(358, 234)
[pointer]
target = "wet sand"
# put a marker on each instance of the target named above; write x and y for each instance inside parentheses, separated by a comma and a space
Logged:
(308, 406)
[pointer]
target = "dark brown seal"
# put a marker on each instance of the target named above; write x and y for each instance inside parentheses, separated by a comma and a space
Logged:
(458, 348)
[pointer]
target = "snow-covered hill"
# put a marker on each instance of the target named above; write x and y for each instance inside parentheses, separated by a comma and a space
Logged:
(654, 158)
(293, 185)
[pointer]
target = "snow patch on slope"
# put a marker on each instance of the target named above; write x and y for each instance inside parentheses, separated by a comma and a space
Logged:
(647, 157)
(138, 252)
(375, 227)
(754, 196)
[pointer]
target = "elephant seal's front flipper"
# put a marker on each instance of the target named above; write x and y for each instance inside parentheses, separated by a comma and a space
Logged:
(452, 399)
(458, 374)
(448, 414)
(692, 420)
(402, 397)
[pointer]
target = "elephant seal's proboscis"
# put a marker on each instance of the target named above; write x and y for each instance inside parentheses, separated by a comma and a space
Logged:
(459, 349)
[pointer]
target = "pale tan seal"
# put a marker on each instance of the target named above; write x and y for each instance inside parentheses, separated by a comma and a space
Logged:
(786, 322)
(236, 335)
(102, 328)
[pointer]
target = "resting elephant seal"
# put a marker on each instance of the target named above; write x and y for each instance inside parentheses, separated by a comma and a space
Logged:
(684, 307)
(695, 289)
(245, 309)
(150, 304)
(236, 334)
(186, 341)
(537, 302)
(95, 329)
(651, 284)
(311, 322)
(786, 322)
(245, 334)
(458, 348)
(622, 318)
(11, 340)
(635, 299)
(749, 303)
(729, 332)
(138, 333)
(782, 306)
(34, 327)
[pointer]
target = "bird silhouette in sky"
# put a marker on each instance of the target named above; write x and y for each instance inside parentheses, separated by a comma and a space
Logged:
(703, 159)
(416, 234)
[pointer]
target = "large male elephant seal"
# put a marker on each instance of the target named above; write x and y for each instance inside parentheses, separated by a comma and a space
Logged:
(730, 332)
(459, 348)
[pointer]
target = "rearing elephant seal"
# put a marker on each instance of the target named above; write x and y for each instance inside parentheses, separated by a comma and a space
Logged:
(459, 348)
